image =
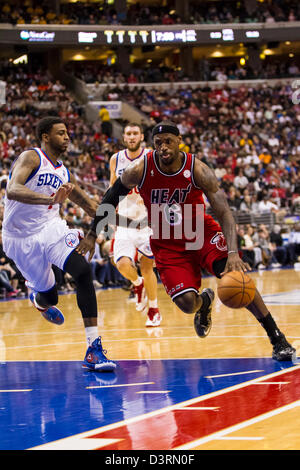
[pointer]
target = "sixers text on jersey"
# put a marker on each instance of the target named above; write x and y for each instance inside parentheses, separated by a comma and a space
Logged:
(49, 179)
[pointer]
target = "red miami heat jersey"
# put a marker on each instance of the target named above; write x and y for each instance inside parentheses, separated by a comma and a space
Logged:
(176, 209)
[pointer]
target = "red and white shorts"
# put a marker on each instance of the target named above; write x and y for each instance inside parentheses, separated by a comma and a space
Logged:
(180, 271)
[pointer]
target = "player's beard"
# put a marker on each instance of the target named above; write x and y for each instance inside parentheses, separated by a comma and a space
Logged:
(134, 147)
(167, 161)
(58, 149)
(172, 157)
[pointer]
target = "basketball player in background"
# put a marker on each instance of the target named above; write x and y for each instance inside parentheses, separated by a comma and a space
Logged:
(35, 236)
(129, 240)
(175, 182)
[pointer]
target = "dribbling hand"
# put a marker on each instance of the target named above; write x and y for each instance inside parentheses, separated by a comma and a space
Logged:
(234, 263)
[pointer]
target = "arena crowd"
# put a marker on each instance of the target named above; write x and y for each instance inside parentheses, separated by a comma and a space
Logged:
(250, 136)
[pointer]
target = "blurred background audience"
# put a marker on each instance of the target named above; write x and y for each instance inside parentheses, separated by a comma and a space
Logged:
(248, 132)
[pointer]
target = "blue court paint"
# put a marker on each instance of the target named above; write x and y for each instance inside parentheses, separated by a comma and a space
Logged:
(61, 405)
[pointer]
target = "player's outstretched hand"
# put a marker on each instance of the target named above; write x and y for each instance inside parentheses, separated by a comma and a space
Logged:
(87, 245)
(234, 263)
(62, 193)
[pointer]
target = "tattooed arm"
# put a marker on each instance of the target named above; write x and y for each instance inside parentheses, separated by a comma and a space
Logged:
(206, 180)
(26, 164)
(79, 197)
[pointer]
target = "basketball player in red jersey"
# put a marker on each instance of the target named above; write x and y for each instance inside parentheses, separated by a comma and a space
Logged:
(172, 184)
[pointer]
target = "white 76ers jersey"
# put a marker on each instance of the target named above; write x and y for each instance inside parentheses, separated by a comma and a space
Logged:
(132, 205)
(21, 220)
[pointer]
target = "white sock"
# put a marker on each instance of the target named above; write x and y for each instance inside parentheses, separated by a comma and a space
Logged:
(91, 333)
(153, 303)
(138, 282)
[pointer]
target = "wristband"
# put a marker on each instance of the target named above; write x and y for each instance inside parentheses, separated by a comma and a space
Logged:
(232, 251)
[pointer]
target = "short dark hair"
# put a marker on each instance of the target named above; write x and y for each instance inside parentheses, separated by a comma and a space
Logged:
(45, 125)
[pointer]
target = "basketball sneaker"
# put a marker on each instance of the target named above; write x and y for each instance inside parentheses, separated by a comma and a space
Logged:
(95, 358)
(52, 314)
(154, 317)
(282, 350)
(140, 297)
(202, 319)
(13, 293)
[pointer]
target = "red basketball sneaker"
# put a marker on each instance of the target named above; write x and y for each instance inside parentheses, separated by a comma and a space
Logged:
(154, 317)
(140, 297)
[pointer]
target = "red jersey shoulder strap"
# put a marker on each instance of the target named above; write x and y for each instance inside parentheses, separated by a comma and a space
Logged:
(147, 158)
(193, 157)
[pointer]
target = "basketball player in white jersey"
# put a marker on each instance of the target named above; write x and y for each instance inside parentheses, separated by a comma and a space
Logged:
(36, 237)
(129, 240)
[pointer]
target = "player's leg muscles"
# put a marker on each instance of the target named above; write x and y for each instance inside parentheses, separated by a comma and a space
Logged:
(127, 268)
(80, 270)
(188, 302)
(146, 265)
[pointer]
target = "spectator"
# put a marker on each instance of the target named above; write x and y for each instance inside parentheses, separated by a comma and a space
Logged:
(241, 181)
(280, 250)
(294, 243)
(100, 267)
(267, 206)
(248, 254)
(234, 200)
(106, 126)
(246, 204)
(262, 240)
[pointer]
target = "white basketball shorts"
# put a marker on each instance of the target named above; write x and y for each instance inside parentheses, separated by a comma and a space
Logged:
(35, 254)
(128, 241)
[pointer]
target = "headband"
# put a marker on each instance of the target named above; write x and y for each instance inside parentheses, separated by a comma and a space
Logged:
(165, 129)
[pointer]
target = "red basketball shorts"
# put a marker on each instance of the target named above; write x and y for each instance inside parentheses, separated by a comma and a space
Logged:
(180, 271)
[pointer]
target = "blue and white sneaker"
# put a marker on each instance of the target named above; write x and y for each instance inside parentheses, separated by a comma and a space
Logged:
(52, 314)
(95, 358)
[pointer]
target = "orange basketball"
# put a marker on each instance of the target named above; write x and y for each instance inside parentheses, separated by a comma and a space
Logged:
(236, 289)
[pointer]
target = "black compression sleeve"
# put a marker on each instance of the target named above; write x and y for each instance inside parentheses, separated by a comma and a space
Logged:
(117, 190)
(111, 197)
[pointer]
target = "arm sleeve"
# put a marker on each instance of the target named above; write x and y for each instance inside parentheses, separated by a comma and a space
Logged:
(111, 197)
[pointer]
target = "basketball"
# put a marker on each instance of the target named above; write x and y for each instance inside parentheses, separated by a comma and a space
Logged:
(236, 289)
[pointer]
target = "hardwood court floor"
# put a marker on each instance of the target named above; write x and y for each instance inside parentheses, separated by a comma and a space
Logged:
(223, 392)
